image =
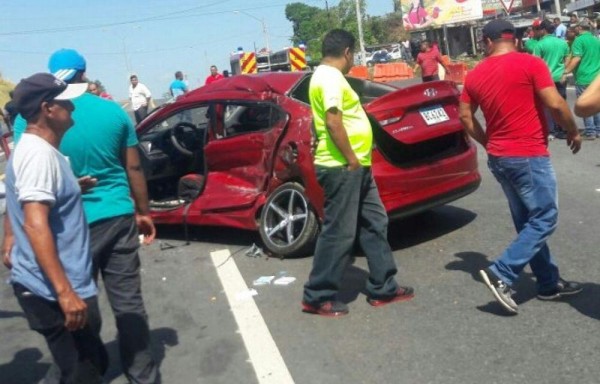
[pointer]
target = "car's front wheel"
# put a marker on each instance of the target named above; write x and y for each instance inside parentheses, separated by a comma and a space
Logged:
(288, 225)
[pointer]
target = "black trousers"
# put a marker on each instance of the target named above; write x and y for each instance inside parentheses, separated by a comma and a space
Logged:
(427, 79)
(79, 355)
(114, 244)
(140, 114)
(353, 209)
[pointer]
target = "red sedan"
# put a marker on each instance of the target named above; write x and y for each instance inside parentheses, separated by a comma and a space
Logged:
(238, 153)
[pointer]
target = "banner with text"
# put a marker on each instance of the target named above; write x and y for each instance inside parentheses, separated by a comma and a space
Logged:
(427, 13)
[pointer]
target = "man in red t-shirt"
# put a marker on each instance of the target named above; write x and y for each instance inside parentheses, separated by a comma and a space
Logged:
(214, 75)
(512, 90)
(428, 60)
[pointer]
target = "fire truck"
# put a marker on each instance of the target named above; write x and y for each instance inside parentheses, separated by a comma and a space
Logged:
(288, 60)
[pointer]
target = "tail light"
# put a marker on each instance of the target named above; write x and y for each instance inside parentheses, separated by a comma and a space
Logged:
(390, 117)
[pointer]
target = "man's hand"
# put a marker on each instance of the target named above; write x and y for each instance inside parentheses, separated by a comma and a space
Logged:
(353, 165)
(86, 183)
(146, 227)
(7, 243)
(74, 308)
(574, 141)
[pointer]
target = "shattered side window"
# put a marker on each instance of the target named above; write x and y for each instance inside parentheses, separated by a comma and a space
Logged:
(197, 116)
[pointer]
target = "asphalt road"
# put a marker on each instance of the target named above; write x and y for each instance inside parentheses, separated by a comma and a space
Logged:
(453, 332)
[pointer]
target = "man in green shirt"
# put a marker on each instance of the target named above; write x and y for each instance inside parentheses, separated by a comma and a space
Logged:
(585, 65)
(352, 203)
(554, 51)
(532, 42)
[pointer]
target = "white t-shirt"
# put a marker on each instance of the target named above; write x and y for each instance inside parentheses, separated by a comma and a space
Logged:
(139, 96)
(38, 172)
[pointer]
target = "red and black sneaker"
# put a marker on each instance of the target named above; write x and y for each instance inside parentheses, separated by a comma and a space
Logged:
(402, 294)
(326, 308)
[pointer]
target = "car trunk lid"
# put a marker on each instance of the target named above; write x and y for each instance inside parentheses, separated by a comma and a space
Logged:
(418, 124)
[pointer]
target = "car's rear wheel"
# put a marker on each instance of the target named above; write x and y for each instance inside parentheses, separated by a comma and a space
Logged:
(288, 225)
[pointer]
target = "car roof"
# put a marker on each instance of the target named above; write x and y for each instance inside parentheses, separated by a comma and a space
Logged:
(275, 82)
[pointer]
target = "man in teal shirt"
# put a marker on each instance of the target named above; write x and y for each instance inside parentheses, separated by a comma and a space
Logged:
(554, 51)
(102, 146)
(585, 65)
(353, 208)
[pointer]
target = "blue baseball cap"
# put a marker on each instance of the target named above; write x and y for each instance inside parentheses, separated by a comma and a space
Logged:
(65, 63)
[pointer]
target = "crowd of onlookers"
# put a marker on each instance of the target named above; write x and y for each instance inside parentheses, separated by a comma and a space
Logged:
(568, 51)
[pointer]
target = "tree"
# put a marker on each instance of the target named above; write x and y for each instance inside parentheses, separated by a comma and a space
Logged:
(310, 25)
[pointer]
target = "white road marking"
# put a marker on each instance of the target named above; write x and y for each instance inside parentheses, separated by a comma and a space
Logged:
(264, 354)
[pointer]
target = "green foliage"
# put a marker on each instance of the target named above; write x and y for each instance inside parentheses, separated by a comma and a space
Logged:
(310, 24)
(5, 88)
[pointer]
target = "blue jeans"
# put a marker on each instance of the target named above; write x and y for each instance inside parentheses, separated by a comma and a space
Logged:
(529, 184)
(353, 209)
(592, 123)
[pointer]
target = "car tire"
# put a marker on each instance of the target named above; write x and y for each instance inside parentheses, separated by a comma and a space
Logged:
(288, 224)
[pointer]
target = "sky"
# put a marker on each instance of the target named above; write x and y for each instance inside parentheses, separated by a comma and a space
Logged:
(151, 38)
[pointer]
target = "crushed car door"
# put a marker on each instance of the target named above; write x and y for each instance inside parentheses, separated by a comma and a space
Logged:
(239, 154)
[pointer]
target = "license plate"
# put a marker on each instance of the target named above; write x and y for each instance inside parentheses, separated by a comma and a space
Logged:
(434, 115)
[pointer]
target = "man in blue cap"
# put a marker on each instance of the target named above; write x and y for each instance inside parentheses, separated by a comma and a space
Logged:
(51, 268)
(102, 147)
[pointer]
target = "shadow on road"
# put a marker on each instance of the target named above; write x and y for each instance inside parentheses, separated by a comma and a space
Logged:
(25, 367)
(587, 302)
(9, 314)
(161, 338)
(353, 284)
(473, 262)
(427, 226)
(401, 234)
(174, 235)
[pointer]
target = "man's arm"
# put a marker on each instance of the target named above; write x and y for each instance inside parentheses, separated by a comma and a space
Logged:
(139, 192)
(339, 136)
(588, 103)
(471, 124)
(439, 59)
(559, 109)
(37, 229)
(573, 63)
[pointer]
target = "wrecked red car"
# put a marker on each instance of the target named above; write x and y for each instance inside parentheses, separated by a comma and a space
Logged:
(238, 153)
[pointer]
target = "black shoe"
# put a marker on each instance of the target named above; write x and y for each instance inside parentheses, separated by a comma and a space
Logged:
(326, 308)
(563, 288)
(501, 291)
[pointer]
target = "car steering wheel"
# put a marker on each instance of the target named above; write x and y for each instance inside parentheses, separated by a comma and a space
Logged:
(180, 135)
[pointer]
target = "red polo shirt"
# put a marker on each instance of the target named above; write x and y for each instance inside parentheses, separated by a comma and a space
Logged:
(429, 62)
(211, 79)
(505, 88)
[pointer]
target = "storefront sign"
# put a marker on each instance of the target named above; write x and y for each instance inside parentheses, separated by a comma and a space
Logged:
(426, 13)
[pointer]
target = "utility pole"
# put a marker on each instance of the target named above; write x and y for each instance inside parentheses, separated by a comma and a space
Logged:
(360, 34)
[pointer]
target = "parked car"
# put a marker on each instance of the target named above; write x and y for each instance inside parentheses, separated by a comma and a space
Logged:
(379, 57)
(396, 53)
(238, 153)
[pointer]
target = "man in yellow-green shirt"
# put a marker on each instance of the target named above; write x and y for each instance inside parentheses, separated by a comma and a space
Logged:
(352, 203)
